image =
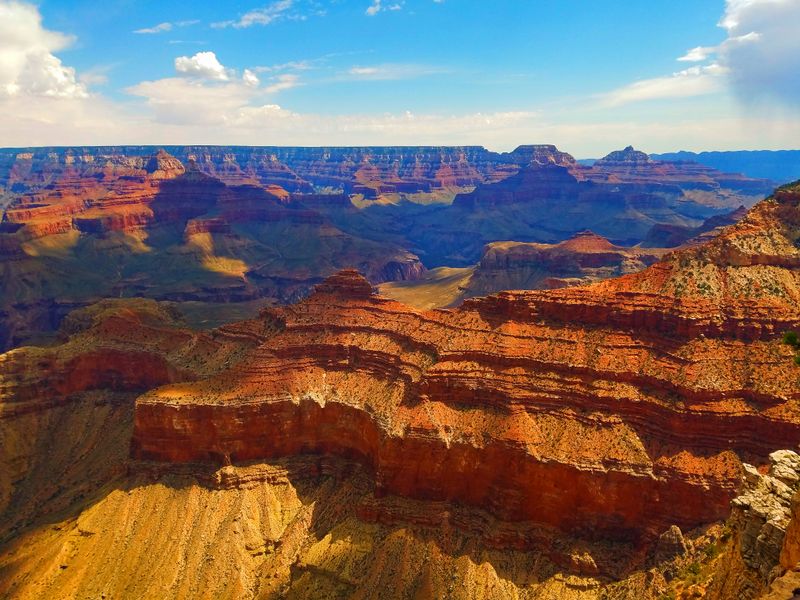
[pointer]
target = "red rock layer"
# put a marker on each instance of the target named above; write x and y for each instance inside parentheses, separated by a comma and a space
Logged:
(581, 259)
(356, 170)
(116, 346)
(145, 226)
(610, 411)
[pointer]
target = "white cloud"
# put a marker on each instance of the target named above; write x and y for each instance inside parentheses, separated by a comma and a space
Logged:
(364, 71)
(694, 81)
(259, 16)
(166, 26)
(759, 59)
(28, 66)
(250, 78)
(392, 71)
(698, 54)
(295, 65)
(761, 55)
(203, 65)
(95, 76)
(160, 28)
(283, 82)
(763, 49)
(378, 6)
(191, 102)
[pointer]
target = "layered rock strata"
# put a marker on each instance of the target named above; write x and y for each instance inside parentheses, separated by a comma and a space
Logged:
(66, 410)
(612, 411)
(582, 259)
(148, 226)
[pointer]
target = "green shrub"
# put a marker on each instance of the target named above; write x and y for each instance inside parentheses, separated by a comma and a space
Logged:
(790, 337)
(797, 359)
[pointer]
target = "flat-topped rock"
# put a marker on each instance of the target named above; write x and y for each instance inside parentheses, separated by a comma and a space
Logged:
(348, 283)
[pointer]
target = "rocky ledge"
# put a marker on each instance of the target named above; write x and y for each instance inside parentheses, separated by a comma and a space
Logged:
(613, 411)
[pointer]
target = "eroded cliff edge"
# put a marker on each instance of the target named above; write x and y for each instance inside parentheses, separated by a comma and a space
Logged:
(611, 412)
(574, 442)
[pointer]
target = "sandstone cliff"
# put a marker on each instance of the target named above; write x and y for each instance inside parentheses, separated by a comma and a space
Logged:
(578, 443)
(607, 412)
(148, 226)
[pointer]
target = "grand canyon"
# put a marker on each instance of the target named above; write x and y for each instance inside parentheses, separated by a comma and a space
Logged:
(277, 418)
(408, 299)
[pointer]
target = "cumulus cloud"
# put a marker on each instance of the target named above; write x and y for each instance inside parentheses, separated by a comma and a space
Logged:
(762, 51)
(203, 65)
(760, 58)
(207, 93)
(761, 55)
(28, 65)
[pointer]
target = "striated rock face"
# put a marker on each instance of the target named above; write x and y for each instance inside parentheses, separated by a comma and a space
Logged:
(373, 170)
(627, 157)
(669, 236)
(349, 169)
(633, 166)
(542, 154)
(781, 166)
(560, 443)
(66, 410)
(623, 197)
(146, 226)
(582, 259)
(213, 225)
(163, 166)
(613, 411)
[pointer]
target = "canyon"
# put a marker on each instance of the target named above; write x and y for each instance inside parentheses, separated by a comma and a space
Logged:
(782, 166)
(623, 438)
(222, 232)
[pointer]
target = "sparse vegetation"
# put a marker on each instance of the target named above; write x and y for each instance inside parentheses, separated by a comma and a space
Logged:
(791, 338)
(711, 551)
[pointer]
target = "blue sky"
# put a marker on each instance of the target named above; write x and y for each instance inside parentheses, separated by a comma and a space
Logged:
(589, 76)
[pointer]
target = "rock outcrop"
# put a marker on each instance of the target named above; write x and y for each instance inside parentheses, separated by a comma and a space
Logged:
(613, 411)
(60, 404)
(634, 166)
(584, 258)
(669, 236)
(575, 443)
(217, 226)
(762, 515)
(148, 226)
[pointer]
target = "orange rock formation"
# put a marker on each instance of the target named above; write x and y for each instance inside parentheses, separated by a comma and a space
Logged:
(611, 411)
